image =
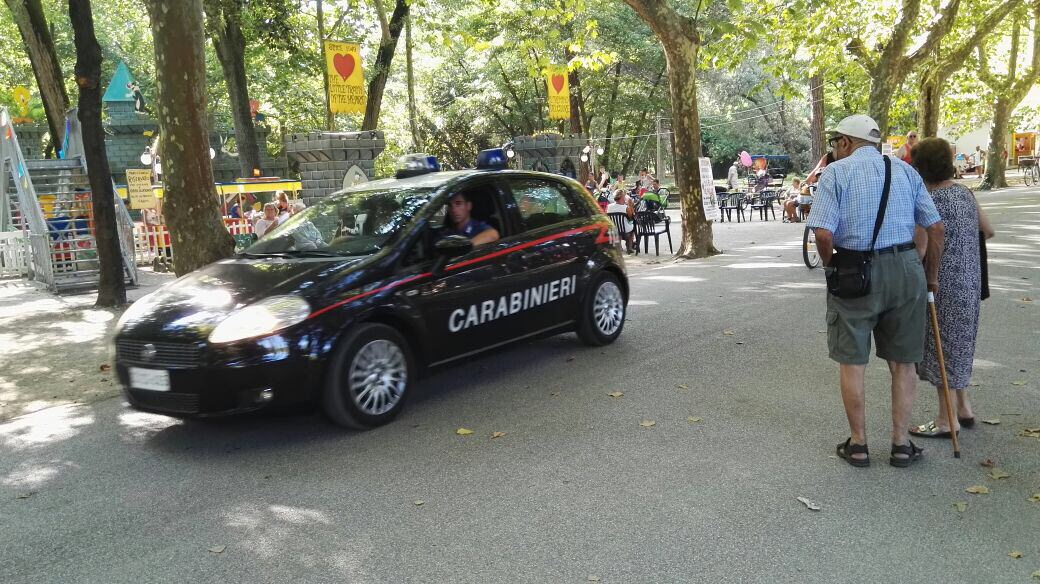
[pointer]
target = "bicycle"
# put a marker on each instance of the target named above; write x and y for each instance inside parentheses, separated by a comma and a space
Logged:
(810, 254)
(1030, 171)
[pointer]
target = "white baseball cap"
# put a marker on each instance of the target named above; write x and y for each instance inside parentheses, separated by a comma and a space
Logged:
(859, 126)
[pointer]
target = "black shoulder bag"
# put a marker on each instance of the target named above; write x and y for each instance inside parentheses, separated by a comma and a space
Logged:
(848, 274)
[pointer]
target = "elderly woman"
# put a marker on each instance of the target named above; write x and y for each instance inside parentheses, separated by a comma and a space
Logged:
(960, 284)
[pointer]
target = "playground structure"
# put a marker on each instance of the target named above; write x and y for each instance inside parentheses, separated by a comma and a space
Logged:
(46, 215)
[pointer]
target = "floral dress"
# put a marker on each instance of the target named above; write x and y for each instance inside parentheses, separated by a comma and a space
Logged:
(960, 287)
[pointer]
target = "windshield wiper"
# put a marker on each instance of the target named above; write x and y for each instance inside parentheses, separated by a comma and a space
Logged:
(270, 254)
(313, 253)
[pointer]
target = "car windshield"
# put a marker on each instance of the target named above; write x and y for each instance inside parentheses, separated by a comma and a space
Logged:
(352, 224)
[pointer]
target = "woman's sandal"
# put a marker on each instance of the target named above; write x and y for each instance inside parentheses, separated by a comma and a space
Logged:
(912, 452)
(966, 422)
(930, 430)
(847, 449)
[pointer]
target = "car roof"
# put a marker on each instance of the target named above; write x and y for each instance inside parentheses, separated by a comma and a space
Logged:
(437, 180)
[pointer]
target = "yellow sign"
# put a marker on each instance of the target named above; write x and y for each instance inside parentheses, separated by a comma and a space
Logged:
(346, 81)
(139, 186)
(559, 93)
(21, 97)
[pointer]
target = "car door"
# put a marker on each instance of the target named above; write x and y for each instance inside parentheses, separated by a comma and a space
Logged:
(559, 232)
(467, 303)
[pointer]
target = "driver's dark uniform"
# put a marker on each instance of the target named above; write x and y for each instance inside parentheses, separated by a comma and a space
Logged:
(471, 229)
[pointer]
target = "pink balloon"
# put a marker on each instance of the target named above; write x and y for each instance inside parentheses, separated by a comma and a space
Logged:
(745, 158)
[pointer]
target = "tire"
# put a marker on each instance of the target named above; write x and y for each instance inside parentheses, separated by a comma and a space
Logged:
(810, 255)
(603, 311)
(378, 350)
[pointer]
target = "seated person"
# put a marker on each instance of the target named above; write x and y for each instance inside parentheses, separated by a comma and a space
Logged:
(621, 206)
(458, 221)
(791, 203)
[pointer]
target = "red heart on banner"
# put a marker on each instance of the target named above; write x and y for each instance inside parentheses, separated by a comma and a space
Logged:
(344, 65)
(557, 82)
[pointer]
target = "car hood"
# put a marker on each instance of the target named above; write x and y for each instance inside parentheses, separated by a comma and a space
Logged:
(191, 306)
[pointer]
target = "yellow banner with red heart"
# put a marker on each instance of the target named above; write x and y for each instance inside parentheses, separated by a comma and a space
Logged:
(559, 92)
(346, 80)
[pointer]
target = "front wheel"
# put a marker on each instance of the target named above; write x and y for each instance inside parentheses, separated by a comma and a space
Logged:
(368, 378)
(603, 312)
(810, 254)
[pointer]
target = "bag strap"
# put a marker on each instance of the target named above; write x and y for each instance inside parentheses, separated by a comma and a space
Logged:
(884, 202)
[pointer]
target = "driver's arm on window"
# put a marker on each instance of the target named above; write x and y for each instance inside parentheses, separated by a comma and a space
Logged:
(487, 236)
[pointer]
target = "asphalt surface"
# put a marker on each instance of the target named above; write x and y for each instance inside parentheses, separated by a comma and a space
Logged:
(577, 490)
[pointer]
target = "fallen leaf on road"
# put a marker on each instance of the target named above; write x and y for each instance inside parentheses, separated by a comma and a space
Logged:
(812, 506)
(554, 394)
(960, 506)
(463, 432)
(728, 333)
(648, 423)
(1030, 433)
(218, 549)
(1036, 574)
(975, 384)
(420, 503)
(1018, 382)
(1015, 554)
(993, 422)
(1035, 498)
(693, 419)
(1027, 299)
(988, 463)
(740, 342)
(497, 434)
(616, 393)
(682, 386)
(25, 495)
(593, 578)
(104, 367)
(977, 490)
(998, 474)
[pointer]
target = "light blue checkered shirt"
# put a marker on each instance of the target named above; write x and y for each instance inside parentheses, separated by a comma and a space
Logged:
(849, 193)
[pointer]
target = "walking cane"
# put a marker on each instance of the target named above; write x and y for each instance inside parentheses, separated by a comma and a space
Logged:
(942, 372)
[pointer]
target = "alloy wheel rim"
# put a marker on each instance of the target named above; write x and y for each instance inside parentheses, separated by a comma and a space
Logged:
(608, 308)
(377, 377)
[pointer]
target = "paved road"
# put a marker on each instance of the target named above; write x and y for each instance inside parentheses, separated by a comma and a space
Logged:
(577, 488)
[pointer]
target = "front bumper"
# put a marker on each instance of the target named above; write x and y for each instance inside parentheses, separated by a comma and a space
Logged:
(217, 380)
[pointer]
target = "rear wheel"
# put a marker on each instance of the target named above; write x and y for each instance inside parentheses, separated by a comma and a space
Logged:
(603, 312)
(810, 254)
(368, 377)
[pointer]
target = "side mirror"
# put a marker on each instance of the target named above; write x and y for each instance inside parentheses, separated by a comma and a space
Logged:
(453, 246)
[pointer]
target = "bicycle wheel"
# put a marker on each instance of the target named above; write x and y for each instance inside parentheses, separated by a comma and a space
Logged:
(1036, 174)
(810, 254)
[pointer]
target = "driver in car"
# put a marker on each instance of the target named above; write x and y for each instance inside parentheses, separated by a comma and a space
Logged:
(459, 221)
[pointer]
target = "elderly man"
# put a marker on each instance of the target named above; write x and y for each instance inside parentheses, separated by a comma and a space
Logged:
(853, 221)
(733, 178)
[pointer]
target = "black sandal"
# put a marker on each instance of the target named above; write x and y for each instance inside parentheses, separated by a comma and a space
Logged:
(966, 422)
(847, 449)
(912, 452)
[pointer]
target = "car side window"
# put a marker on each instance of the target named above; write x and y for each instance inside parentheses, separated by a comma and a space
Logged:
(541, 203)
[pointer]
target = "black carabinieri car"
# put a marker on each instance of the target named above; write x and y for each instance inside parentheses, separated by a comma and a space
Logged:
(350, 300)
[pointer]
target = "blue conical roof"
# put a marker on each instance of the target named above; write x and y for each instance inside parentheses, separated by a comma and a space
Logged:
(117, 90)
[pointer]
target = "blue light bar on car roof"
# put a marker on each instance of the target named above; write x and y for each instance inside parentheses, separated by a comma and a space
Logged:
(416, 164)
(492, 159)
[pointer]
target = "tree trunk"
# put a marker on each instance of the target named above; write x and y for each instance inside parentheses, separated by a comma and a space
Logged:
(190, 206)
(230, 47)
(39, 46)
(816, 126)
(686, 127)
(678, 35)
(882, 88)
(413, 123)
(996, 164)
(381, 70)
(112, 286)
(609, 134)
(330, 119)
(928, 100)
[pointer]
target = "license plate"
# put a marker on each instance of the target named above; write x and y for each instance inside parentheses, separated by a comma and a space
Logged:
(150, 379)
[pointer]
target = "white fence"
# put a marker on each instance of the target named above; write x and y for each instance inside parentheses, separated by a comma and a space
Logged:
(15, 255)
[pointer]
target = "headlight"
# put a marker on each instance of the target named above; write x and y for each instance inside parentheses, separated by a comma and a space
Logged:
(261, 318)
(142, 307)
